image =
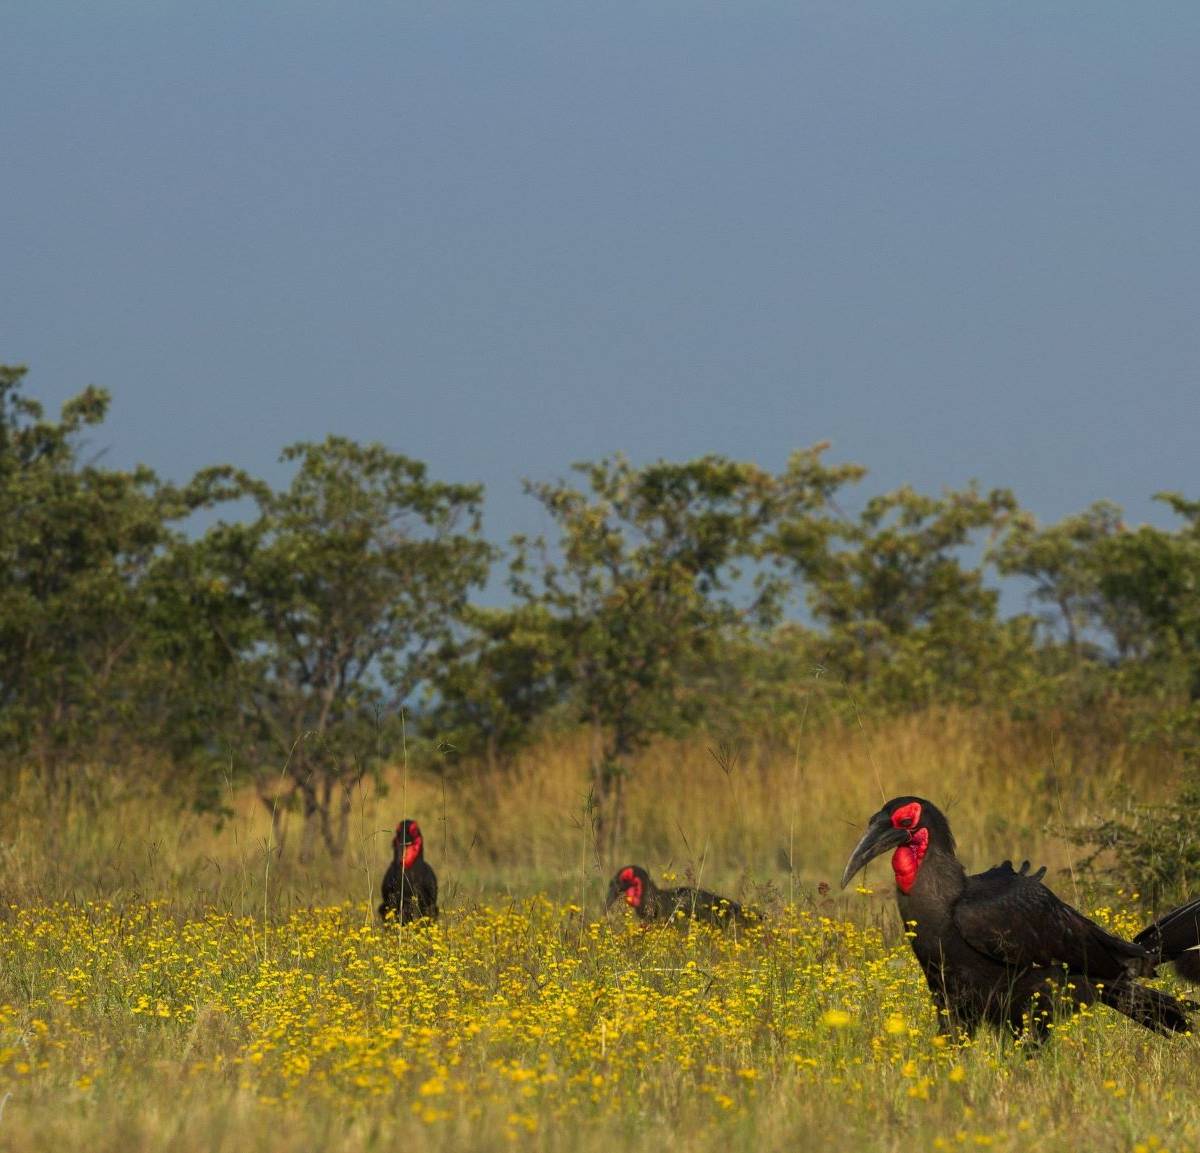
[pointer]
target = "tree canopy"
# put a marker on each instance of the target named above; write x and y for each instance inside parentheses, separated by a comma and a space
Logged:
(291, 639)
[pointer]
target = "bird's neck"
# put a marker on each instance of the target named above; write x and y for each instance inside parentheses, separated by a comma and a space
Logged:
(929, 901)
(651, 904)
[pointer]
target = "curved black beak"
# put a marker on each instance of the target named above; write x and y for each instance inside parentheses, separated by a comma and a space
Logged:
(614, 891)
(881, 835)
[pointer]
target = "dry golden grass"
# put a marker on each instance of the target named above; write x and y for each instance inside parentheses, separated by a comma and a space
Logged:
(734, 821)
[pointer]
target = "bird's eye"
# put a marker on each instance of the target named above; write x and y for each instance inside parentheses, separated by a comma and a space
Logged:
(906, 822)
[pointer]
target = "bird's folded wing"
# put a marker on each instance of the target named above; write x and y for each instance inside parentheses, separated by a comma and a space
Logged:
(1015, 919)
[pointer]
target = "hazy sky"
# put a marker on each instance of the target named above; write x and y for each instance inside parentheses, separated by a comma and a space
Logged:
(958, 240)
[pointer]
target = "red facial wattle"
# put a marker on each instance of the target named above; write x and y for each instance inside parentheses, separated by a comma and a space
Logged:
(633, 888)
(412, 850)
(906, 860)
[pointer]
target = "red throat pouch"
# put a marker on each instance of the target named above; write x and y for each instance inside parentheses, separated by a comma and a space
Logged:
(633, 895)
(411, 852)
(906, 860)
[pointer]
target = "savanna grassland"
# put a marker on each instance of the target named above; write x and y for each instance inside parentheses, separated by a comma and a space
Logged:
(166, 983)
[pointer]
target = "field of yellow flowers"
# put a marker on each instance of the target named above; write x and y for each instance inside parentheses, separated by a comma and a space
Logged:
(167, 983)
(531, 1026)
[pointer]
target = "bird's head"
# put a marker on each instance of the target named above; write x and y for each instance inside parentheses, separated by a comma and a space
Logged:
(408, 844)
(907, 825)
(633, 881)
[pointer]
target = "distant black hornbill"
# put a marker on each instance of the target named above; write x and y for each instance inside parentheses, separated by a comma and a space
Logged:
(999, 946)
(651, 903)
(409, 886)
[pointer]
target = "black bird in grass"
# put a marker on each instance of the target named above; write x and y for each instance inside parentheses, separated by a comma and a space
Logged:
(1175, 938)
(651, 903)
(999, 947)
(409, 886)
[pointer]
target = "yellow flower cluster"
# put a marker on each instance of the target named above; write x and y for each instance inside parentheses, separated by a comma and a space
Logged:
(530, 996)
(524, 1013)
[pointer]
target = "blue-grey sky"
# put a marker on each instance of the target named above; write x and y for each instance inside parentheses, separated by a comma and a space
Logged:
(958, 240)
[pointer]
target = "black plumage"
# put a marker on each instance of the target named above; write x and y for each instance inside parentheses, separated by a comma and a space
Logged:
(410, 885)
(999, 947)
(651, 903)
(1175, 939)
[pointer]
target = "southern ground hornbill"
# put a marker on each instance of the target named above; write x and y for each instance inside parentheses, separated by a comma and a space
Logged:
(651, 903)
(409, 885)
(999, 947)
(1175, 938)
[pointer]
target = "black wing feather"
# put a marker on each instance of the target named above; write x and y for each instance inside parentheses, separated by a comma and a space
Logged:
(1025, 867)
(1013, 918)
(706, 906)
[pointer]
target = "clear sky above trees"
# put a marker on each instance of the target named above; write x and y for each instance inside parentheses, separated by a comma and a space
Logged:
(956, 240)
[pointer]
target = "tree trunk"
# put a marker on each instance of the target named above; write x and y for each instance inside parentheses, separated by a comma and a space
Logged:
(599, 806)
(335, 828)
(311, 830)
(345, 808)
(599, 799)
(609, 770)
(617, 819)
(277, 807)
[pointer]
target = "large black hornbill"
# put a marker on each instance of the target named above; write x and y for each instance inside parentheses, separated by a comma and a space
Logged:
(999, 947)
(651, 903)
(1175, 938)
(409, 886)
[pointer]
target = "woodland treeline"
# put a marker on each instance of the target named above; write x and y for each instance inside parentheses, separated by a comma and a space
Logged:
(312, 633)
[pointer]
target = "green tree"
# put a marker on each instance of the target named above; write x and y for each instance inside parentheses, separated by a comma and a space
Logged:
(1150, 580)
(76, 543)
(1065, 563)
(908, 621)
(328, 604)
(652, 569)
(492, 685)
